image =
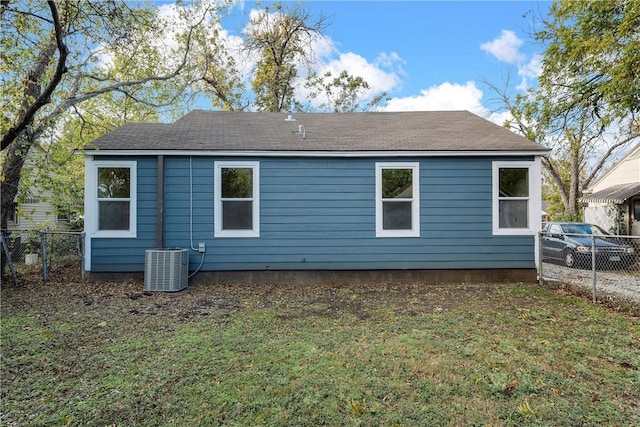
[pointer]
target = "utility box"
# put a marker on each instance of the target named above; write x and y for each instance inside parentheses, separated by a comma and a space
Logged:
(166, 269)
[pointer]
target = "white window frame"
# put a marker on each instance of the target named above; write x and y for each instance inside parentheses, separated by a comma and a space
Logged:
(415, 200)
(534, 200)
(218, 230)
(92, 202)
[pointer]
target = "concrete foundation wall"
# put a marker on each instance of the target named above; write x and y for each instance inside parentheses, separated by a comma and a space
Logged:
(329, 277)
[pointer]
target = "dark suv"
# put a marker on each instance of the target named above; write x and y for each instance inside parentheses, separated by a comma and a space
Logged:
(571, 243)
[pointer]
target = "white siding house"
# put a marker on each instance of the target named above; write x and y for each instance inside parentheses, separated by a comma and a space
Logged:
(613, 202)
(35, 212)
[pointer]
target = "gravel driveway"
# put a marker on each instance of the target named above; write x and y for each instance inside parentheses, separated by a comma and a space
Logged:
(624, 285)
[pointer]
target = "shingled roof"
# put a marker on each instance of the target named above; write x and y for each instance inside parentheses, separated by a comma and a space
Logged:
(325, 132)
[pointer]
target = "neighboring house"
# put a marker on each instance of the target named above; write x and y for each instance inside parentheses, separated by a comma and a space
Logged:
(32, 214)
(35, 212)
(544, 214)
(431, 195)
(613, 202)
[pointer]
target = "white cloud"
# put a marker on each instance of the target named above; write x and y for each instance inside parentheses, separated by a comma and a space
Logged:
(498, 118)
(323, 47)
(378, 79)
(381, 74)
(505, 48)
(390, 61)
(524, 85)
(533, 68)
(447, 96)
(529, 70)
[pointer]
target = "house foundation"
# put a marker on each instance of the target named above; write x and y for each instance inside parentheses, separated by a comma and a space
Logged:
(305, 277)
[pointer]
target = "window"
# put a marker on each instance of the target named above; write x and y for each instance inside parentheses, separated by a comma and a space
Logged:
(237, 211)
(555, 229)
(113, 190)
(13, 214)
(516, 200)
(62, 216)
(397, 200)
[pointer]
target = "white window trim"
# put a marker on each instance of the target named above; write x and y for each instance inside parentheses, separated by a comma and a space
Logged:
(415, 205)
(91, 199)
(218, 231)
(534, 205)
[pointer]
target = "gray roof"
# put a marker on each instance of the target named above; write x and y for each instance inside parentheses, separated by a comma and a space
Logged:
(325, 132)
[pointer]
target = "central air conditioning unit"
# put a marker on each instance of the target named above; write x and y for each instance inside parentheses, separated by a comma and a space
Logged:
(166, 269)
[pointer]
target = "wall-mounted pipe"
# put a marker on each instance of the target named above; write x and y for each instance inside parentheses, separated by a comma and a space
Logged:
(160, 204)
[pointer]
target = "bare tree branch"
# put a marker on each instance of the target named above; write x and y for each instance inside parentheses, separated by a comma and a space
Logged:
(74, 100)
(600, 165)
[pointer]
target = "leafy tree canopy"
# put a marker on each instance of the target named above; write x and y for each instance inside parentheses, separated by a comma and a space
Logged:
(585, 107)
(593, 55)
(58, 56)
(73, 70)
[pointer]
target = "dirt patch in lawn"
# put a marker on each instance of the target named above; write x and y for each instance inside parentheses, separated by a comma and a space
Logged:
(107, 299)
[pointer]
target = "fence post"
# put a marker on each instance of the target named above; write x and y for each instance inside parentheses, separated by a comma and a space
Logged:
(43, 247)
(593, 265)
(540, 271)
(81, 237)
(7, 258)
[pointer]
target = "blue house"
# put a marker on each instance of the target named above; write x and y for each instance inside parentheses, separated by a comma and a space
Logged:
(430, 196)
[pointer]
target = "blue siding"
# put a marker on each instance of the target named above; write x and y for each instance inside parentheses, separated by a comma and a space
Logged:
(320, 214)
(127, 255)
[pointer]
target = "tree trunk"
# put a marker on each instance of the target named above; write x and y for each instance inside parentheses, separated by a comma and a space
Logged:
(16, 141)
(572, 205)
(19, 144)
(34, 96)
(16, 153)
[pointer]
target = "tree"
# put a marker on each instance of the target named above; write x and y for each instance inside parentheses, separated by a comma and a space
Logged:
(580, 148)
(58, 167)
(56, 57)
(217, 68)
(281, 40)
(342, 93)
(278, 41)
(73, 70)
(585, 107)
(592, 56)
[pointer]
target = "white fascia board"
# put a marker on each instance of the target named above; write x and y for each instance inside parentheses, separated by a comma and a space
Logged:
(341, 154)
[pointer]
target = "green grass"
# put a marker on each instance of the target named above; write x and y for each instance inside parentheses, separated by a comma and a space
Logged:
(504, 355)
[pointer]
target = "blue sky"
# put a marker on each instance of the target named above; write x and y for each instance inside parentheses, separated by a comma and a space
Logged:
(426, 55)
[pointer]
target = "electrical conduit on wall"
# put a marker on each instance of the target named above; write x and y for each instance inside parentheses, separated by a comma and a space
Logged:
(191, 217)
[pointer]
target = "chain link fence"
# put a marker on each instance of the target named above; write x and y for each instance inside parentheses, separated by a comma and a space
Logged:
(605, 266)
(49, 255)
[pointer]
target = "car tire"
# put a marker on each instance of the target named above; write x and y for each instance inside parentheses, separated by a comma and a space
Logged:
(570, 258)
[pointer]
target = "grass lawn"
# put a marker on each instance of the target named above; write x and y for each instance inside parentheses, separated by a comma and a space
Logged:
(339, 355)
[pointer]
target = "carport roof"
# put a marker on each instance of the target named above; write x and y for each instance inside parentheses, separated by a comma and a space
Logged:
(615, 194)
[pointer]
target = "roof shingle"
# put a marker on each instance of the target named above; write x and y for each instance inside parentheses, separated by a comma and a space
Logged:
(203, 130)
